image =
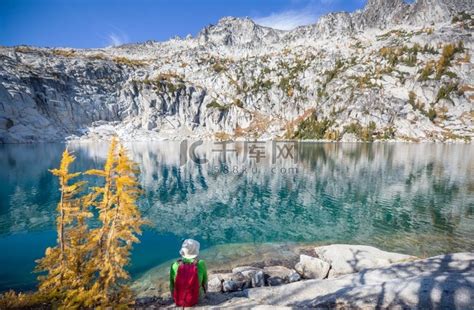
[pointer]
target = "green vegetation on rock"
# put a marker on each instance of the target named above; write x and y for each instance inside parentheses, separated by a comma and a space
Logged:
(313, 129)
(447, 55)
(445, 91)
(216, 105)
(363, 133)
(170, 82)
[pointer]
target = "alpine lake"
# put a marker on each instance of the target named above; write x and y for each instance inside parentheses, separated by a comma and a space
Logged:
(240, 198)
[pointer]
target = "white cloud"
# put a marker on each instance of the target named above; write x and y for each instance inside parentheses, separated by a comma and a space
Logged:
(301, 12)
(115, 39)
(288, 20)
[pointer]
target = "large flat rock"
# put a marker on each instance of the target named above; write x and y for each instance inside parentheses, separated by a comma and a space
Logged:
(445, 281)
(347, 258)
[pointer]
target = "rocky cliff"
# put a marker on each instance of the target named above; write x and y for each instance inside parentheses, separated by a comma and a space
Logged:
(393, 71)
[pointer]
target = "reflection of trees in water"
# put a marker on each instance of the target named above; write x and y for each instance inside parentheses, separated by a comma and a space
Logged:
(342, 192)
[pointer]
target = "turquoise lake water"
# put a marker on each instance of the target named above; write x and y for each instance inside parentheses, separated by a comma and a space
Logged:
(412, 198)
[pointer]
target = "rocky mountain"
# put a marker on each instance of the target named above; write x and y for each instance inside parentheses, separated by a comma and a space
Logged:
(391, 71)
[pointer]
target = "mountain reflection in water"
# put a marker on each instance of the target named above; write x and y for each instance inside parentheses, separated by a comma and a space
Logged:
(412, 198)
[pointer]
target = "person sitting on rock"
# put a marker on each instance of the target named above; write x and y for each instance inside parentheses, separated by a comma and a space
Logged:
(188, 275)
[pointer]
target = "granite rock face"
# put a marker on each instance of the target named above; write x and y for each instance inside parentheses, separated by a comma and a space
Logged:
(372, 74)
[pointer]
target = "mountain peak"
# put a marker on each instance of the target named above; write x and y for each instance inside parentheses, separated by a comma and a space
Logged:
(227, 20)
(384, 3)
(380, 13)
(230, 31)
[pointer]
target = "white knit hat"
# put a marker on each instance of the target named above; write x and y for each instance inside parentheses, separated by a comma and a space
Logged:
(190, 249)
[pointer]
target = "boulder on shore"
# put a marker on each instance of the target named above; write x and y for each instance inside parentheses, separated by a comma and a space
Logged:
(258, 279)
(441, 282)
(346, 258)
(215, 281)
(312, 268)
(277, 275)
(231, 286)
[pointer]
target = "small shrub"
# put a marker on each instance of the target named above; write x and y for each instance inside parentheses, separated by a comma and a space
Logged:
(447, 55)
(312, 128)
(364, 81)
(428, 49)
(128, 62)
(171, 82)
(431, 114)
(365, 134)
(416, 104)
(216, 105)
(426, 71)
(451, 74)
(331, 74)
(445, 91)
(400, 33)
(64, 53)
(267, 84)
(412, 98)
(389, 133)
(444, 61)
(222, 136)
(392, 54)
(462, 16)
(285, 85)
(410, 60)
(98, 56)
(264, 85)
(332, 135)
(218, 67)
(238, 103)
(321, 92)
(24, 49)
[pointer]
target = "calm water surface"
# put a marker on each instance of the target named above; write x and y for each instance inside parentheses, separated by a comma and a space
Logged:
(412, 198)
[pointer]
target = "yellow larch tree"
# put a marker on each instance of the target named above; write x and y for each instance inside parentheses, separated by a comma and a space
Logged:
(87, 267)
(120, 224)
(124, 227)
(79, 294)
(62, 264)
(106, 193)
(104, 203)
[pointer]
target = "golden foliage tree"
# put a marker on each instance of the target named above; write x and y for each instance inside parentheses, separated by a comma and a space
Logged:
(63, 264)
(106, 198)
(120, 223)
(87, 267)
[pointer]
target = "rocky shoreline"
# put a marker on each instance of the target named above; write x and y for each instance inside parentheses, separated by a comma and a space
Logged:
(340, 275)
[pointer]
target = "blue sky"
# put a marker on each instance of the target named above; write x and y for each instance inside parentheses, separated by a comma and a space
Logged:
(100, 23)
